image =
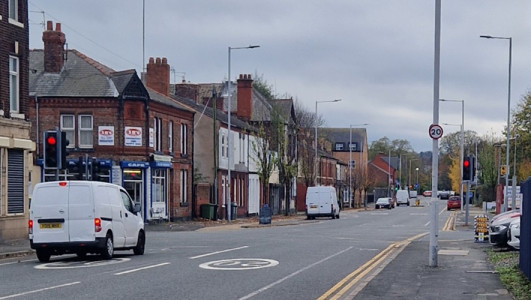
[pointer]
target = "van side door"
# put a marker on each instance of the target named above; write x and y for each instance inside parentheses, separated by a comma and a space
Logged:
(109, 209)
(130, 220)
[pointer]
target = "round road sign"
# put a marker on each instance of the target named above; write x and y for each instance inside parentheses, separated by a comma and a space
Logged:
(435, 131)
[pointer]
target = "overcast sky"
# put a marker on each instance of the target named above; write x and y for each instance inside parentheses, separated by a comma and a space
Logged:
(375, 55)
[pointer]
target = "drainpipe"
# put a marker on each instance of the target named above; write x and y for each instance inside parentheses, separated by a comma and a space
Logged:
(37, 124)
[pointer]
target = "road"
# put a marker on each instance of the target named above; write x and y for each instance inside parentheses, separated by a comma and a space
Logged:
(311, 260)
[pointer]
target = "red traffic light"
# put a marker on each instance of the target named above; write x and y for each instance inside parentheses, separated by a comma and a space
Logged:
(466, 163)
(51, 140)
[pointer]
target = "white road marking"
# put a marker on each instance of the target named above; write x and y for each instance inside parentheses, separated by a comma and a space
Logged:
(143, 268)
(39, 290)
(217, 252)
(66, 264)
(265, 288)
(17, 262)
(239, 264)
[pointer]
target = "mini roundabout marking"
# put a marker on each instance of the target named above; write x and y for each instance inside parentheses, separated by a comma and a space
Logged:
(239, 264)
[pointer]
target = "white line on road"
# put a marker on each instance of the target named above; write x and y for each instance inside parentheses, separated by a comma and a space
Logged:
(39, 290)
(217, 252)
(143, 268)
(292, 274)
(16, 262)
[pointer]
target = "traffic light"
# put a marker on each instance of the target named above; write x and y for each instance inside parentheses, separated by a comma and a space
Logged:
(50, 149)
(503, 170)
(467, 168)
(63, 152)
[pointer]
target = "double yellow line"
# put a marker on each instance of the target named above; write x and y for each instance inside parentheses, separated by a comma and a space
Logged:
(450, 222)
(338, 290)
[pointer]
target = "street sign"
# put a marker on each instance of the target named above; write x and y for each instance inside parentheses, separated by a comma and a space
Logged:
(436, 131)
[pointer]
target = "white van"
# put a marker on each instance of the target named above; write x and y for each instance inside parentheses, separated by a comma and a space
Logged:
(402, 197)
(84, 217)
(321, 201)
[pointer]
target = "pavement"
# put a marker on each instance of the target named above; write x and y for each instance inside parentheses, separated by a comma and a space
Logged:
(462, 270)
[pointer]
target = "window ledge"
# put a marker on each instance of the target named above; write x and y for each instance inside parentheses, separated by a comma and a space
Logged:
(17, 116)
(183, 204)
(16, 23)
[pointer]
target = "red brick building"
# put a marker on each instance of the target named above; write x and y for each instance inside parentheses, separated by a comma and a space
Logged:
(382, 170)
(15, 142)
(119, 130)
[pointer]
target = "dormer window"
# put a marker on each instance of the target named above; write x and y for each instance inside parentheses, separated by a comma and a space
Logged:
(340, 146)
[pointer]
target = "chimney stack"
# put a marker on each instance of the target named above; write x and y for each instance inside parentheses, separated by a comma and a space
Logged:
(245, 97)
(54, 42)
(158, 75)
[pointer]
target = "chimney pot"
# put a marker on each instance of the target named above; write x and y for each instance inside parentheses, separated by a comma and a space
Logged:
(58, 27)
(49, 25)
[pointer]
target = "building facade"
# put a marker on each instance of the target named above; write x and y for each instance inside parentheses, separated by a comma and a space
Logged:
(16, 146)
(119, 130)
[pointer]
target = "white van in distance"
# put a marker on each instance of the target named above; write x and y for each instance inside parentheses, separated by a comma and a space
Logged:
(321, 201)
(402, 197)
(83, 217)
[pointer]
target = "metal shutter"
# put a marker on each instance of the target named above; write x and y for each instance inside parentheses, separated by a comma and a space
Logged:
(15, 181)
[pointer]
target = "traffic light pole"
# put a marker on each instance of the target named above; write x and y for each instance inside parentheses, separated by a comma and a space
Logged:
(467, 201)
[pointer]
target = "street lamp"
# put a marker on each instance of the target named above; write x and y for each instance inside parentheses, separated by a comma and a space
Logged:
(409, 173)
(462, 145)
(316, 125)
(505, 200)
(350, 161)
(228, 193)
(417, 182)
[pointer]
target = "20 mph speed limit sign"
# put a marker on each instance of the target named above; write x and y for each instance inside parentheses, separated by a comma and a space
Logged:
(436, 131)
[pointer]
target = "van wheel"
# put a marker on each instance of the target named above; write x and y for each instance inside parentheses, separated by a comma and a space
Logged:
(333, 215)
(109, 247)
(140, 244)
(43, 255)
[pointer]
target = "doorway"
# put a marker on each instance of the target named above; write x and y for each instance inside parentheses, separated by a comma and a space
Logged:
(134, 185)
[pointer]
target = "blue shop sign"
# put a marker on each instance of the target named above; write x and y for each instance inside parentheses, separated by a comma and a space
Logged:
(134, 164)
(161, 164)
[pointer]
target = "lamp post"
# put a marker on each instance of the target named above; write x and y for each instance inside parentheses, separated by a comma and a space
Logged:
(228, 190)
(514, 175)
(505, 200)
(350, 161)
(462, 145)
(409, 172)
(317, 125)
(417, 182)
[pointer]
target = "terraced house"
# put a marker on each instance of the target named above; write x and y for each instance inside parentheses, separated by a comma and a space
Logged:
(119, 129)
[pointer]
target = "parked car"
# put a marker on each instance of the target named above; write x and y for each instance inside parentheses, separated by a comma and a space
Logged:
(385, 202)
(443, 195)
(514, 234)
(499, 227)
(426, 194)
(453, 202)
